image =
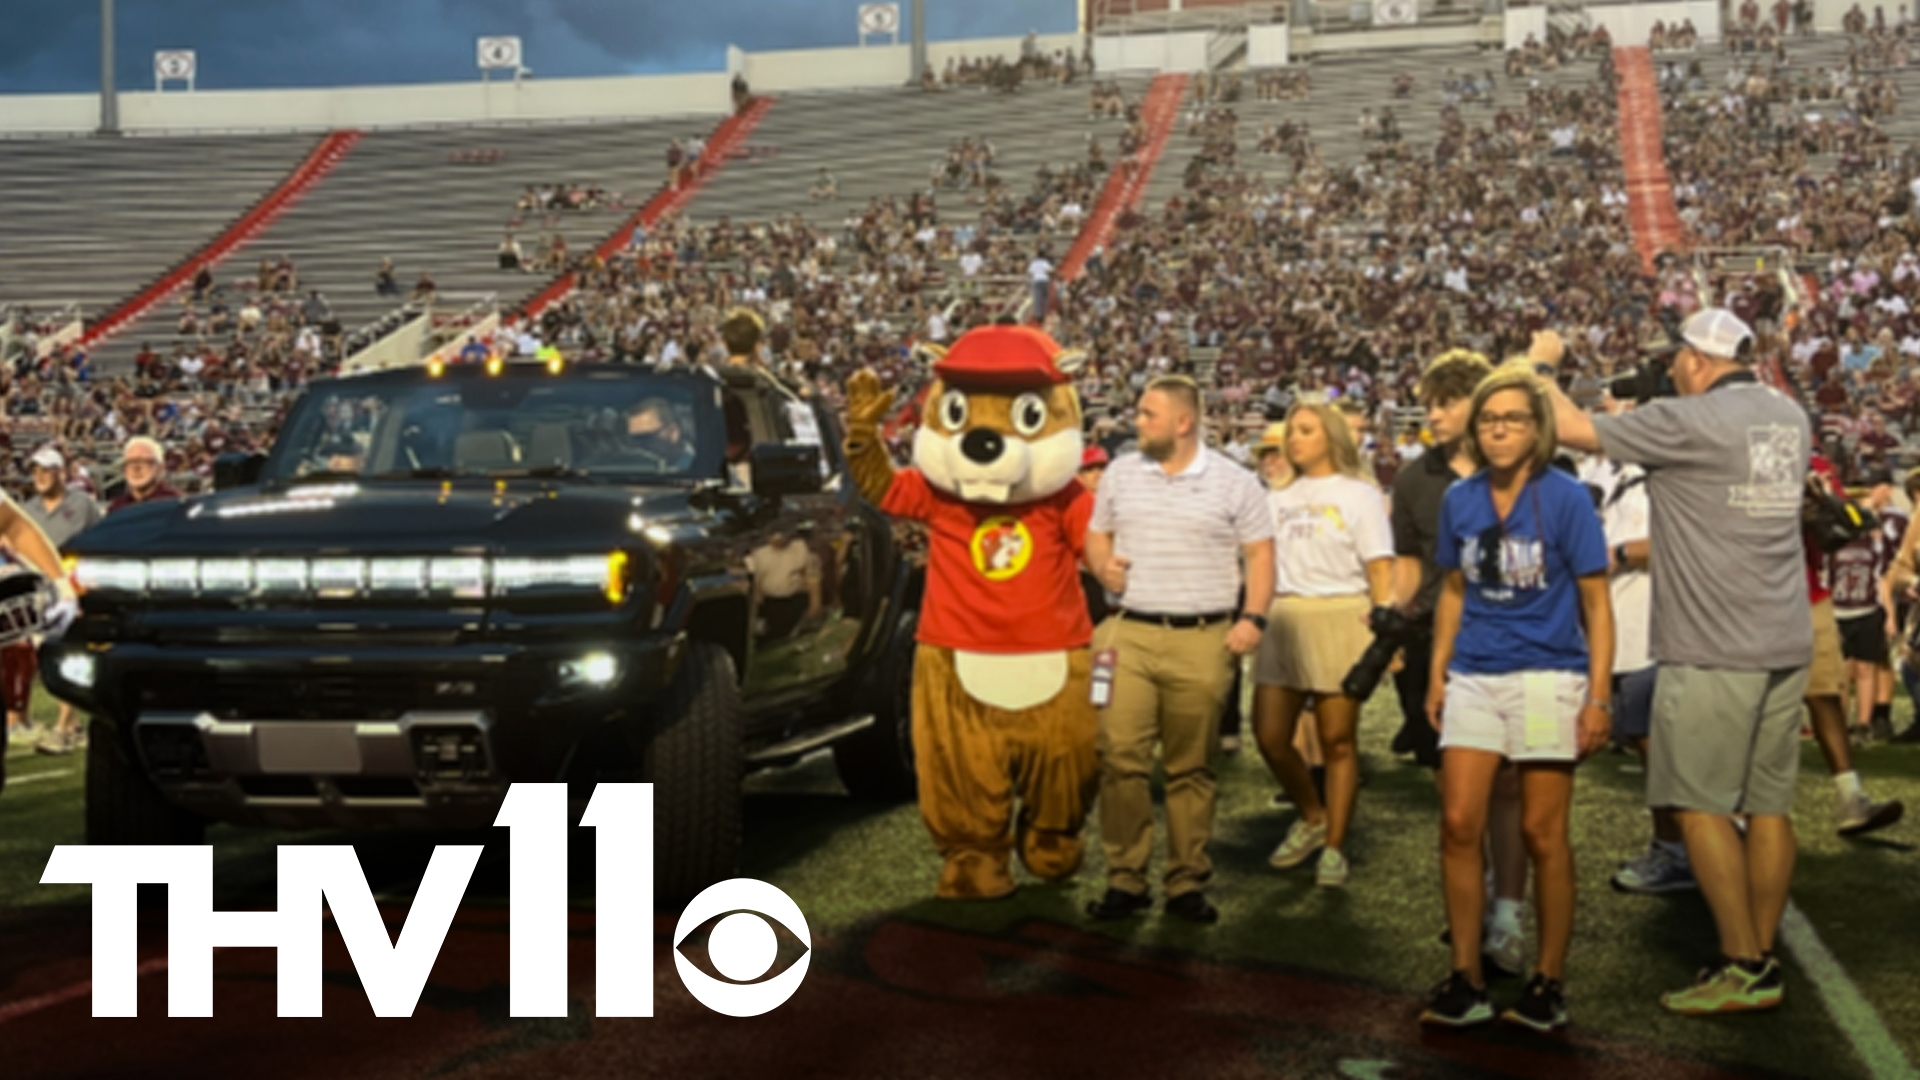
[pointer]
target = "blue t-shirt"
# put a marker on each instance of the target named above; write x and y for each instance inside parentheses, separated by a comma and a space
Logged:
(1529, 618)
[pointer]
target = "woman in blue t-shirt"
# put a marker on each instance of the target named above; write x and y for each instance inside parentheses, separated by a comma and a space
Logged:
(1522, 659)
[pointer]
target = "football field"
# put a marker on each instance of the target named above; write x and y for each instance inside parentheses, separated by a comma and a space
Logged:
(1294, 981)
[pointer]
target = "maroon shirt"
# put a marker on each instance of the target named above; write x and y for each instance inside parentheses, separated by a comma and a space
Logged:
(160, 490)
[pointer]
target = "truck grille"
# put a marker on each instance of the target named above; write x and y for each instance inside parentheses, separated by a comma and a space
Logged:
(310, 697)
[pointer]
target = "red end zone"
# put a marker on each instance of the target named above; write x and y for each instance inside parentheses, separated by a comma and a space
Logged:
(897, 998)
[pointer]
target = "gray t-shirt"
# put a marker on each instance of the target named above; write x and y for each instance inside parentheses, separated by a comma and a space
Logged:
(76, 513)
(1725, 474)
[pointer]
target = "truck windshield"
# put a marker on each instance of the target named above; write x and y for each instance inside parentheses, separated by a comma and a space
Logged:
(615, 425)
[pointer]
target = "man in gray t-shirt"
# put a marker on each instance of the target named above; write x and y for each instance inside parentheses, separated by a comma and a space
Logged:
(62, 513)
(1732, 632)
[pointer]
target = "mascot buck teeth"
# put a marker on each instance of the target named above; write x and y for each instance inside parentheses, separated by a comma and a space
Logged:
(1001, 676)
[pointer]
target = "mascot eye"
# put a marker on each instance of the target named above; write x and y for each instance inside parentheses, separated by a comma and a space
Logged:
(953, 409)
(1029, 414)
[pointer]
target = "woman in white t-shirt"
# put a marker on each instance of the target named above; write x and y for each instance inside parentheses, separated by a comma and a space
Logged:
(1333, 561)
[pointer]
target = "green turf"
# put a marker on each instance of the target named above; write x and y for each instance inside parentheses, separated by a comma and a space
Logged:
(844, 863)
(847, 863)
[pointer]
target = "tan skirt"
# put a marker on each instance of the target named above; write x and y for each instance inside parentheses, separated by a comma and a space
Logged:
(1312, 642)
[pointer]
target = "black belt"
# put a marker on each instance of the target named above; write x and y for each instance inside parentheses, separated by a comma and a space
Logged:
(1180, 622)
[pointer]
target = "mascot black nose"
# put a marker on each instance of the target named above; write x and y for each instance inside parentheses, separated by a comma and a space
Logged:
(982, 447)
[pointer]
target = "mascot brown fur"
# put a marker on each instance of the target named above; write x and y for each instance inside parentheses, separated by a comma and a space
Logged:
(1001, 703)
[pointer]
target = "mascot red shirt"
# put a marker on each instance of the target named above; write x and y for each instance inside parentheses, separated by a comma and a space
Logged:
(1001, 704)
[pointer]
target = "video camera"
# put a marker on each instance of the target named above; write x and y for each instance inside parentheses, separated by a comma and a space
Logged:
(1652, 379)
(1391, 631)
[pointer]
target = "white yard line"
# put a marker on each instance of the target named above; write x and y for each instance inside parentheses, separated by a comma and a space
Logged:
(17, 781)
(1856, 1018)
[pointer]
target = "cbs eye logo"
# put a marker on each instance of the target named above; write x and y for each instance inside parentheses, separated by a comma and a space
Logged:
(742, 946)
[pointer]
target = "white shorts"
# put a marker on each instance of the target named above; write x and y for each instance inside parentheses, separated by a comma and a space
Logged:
(1493, 713)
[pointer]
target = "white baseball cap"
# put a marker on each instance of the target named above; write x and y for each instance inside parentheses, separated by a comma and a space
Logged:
(1716, 332)
(48, 458)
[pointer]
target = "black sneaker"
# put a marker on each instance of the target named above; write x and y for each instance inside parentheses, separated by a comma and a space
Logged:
(1118, 904)
(1909, 736)
(1457, 1003)
(1542, 1006)
(1193, 907)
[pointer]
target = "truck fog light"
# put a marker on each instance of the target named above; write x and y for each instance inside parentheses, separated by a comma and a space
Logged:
(594, 670)
(77, 669)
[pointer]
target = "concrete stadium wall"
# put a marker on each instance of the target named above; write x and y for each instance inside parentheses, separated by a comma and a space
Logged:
(1151, 52)
(502, 100)
(1267, 46)
(145, 112)
(1628, 24)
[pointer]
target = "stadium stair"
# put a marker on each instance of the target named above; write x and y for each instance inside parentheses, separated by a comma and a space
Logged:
(1650, 206)
(1126, 187)
(318, 164)
(727, 141)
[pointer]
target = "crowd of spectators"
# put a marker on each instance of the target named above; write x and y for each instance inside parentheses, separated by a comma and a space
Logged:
(1007, 74)
(1320, 279)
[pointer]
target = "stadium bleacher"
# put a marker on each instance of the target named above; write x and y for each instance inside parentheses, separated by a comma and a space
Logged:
(412, 195)
(94, 220)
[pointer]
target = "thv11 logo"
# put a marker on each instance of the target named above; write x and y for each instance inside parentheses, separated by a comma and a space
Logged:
(742, 945)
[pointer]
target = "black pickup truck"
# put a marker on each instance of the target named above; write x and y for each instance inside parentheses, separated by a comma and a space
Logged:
(443, 580)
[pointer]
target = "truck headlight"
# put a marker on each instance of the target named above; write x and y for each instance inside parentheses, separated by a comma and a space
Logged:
(226, 575)
(462, 577)
(280, 575)
(77, 669)
(336, 578)
(595, 670)
(397, 576)
(173, 575)
(110, 575)
(600, 573)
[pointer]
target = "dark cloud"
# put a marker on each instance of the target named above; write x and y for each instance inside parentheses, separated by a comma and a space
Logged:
(250, 43)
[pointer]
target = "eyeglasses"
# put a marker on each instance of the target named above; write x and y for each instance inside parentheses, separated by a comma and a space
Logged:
(1511, 421)
(143, 462)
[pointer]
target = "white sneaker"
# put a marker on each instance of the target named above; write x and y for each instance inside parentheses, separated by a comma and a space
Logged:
(1859, 814)
(1506, 948)
(1332, 873)
(1301, 842)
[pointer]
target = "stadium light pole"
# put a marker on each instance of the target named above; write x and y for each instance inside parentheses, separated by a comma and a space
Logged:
(919, 40)
(109, 101)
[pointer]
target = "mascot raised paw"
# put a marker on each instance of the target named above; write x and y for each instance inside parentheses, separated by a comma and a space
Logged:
(1002, 711)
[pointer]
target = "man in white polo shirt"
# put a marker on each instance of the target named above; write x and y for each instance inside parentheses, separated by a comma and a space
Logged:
(1171, 526)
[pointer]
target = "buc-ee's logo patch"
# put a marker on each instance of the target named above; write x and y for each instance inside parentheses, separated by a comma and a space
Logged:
(1002, 547)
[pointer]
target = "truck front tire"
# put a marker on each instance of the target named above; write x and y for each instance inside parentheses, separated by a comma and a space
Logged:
(694, 759)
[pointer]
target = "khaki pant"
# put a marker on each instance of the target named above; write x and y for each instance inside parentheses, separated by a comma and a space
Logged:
(1168, 687)
(973, 760)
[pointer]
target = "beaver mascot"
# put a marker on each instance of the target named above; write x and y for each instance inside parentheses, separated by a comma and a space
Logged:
(1001, 675)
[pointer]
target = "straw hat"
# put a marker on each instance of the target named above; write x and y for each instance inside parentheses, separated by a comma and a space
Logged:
(1273, 438)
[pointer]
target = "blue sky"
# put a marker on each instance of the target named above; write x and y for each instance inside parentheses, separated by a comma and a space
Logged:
(54, 45)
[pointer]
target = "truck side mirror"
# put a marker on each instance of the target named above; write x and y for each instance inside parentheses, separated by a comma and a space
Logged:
(785, 469)
(237, 470)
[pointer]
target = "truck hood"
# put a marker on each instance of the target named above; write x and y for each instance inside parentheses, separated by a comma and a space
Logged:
(379, 517)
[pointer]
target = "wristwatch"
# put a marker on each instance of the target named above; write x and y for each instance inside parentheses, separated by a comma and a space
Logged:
(1620, 555)
(1255, 618)
(1603, 706)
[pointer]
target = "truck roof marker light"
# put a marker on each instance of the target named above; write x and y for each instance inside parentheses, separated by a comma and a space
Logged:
(496, 365)
(555, 365)
(436, 367)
